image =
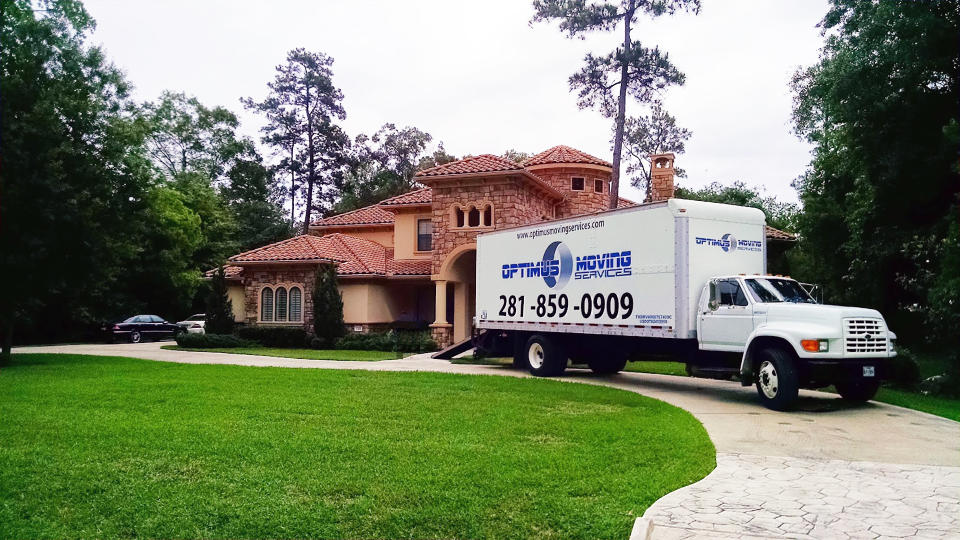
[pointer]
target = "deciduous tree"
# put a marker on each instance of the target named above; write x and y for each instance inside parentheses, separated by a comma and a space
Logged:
(632, 69)
(881, 193)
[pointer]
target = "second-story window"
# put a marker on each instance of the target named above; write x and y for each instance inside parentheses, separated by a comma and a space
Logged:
(598, 186)
(576, 184)
(424, 235)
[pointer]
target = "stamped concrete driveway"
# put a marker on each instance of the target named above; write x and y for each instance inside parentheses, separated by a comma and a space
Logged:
(826, 470)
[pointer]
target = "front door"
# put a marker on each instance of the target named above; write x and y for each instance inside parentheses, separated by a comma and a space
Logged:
(727, 327)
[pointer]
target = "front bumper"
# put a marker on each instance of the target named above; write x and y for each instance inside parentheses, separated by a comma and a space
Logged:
(829, 371)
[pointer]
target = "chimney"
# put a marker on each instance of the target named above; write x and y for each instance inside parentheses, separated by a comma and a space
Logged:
(661, 177)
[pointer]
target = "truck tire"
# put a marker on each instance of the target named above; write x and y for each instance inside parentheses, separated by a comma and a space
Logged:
(776, 379)
(608, 365)
(543, 357)
(858, 390)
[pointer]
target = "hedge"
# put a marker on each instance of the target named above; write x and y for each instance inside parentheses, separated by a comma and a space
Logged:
(211, 341)
(394, 340)
(274, 336)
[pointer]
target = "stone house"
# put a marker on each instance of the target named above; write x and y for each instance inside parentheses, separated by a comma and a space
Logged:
(410, 261)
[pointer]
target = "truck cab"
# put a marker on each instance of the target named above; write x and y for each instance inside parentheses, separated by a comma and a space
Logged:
(784, 340)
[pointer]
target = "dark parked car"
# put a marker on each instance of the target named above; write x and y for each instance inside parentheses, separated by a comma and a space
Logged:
(142, 327)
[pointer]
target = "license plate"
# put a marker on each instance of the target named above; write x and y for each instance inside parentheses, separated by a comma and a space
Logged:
(868, 371)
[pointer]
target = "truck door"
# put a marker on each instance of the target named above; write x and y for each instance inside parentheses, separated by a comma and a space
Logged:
(727, 319)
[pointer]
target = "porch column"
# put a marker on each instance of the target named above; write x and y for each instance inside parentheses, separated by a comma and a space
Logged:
(441, 330)
(461, 315)
(441, 303)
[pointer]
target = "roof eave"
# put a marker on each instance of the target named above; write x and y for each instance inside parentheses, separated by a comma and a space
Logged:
(507, 172)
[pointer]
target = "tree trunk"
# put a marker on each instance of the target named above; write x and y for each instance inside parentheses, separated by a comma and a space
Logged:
(311, 171)
(621, 113)
(293, 190)
(6, 343)
(310, 178)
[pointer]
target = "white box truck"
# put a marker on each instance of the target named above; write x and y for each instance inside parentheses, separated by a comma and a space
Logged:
(682, 279)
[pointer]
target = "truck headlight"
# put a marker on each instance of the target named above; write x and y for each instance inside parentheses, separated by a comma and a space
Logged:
(815, 345)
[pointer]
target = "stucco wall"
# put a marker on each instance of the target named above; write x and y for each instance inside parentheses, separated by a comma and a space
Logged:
(405, 234)
(237, 298)
(384, 302)
(380, 235)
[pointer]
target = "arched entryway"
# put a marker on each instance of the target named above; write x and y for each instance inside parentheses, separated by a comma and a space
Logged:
(456, 295)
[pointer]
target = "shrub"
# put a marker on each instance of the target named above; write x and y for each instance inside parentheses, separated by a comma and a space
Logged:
(327, 306)
(274, 336)
(904, 370)
(394, 340)
(211, 341)
(219, 309)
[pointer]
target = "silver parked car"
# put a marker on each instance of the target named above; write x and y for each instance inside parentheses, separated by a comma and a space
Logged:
(194, 324)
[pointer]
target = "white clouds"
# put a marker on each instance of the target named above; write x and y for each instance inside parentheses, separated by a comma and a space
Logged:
(479, 78)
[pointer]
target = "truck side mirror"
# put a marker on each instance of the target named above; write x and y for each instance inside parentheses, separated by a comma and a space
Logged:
(714, 302)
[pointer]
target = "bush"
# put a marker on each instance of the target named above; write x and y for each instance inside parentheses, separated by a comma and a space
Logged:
(394, 340)
(211, 341)
(327, 306)
(904, 370)
(274, 336)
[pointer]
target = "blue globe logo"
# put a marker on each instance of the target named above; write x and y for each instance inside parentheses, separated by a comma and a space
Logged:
(558, 251)
(729, 242)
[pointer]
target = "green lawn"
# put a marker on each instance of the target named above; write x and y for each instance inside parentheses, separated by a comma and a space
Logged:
(108, 447)
(660, 368)
(308, 354)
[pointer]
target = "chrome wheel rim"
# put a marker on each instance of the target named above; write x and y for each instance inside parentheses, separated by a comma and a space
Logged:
(767, 378)
(535, 356)
(135, 337)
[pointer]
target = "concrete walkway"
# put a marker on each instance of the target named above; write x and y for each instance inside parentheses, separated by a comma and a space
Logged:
(826, 470)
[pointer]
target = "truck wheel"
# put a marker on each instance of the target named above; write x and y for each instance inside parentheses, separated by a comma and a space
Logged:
(858, 390)
(777, 381)
(544, 357)
(608, 365)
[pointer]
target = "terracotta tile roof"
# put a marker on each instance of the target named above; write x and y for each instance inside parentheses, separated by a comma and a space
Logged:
(623, 203)
(409, 267)
(483, 163)
(564, 154)
(777, 234)
(353, 256)
(305, 248)
(229, 272)
(415, 197)
(368, 215)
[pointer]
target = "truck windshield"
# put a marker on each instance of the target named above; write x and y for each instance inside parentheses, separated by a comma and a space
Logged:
(778, 290)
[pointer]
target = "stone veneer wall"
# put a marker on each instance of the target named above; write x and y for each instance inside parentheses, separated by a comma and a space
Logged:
(256, 277)
(514, 203)
(577, 202)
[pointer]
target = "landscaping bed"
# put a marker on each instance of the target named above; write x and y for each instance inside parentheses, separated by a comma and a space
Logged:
(306, 354)
(108, 447)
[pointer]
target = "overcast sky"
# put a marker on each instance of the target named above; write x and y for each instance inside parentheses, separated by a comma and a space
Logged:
(477, 77)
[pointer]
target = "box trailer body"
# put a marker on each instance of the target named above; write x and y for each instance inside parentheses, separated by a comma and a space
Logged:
(654, 259)
(685, 278)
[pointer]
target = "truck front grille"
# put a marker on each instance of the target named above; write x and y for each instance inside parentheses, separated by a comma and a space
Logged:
(865, 336)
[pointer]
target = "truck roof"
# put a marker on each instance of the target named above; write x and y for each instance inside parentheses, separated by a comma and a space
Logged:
(717, 211)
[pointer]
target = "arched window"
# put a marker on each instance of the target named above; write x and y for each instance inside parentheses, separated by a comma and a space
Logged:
(266, 304)
(474, 217)
(281, 304)
(295, 304)
(459, 216)
(487, 215)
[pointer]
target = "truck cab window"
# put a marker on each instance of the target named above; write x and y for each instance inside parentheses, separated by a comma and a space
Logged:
(731, 294)
(771, 290)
